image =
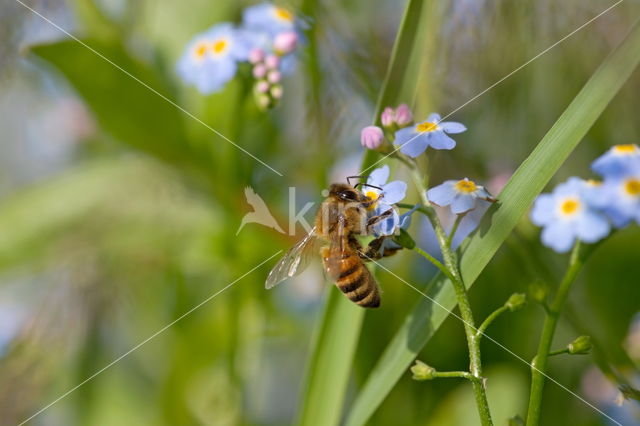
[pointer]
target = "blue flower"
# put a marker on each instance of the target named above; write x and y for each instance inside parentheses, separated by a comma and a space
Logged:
(268, 18)
(567, 214)
(460, 194)
(619, 160)
(414, 140)
(391, 193)
(210, 59)
(619, 198)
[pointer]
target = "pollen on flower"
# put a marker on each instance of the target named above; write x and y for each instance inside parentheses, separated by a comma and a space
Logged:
(200, 50)
(426, 127)
(632, 187)
(373, 196)
(219, 46)
(625, 149)
(466, 186)
(593, 182)
(283, 14)
(570, 206)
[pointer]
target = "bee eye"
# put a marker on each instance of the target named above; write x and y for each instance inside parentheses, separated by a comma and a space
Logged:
(349, 195)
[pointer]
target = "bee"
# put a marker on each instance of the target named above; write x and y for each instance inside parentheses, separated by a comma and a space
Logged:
(341, 217)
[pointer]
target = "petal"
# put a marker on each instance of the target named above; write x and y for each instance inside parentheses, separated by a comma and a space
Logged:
(403, 135)
(543, 210)
(439, 140)
(452, 127)
(394, 191)
(462, 203)
(434, 117)
(379, 176)
(416, 145)
(386, 226)
(558, 236)
(443, 194)
(592, 227)
(405, 218)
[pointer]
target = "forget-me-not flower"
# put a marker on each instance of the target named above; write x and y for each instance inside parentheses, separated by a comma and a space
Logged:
(567, 215)
(210, 60)
(389, 194)
(619, 198)
(462, 195)
(617, 161)
(414, 140)
(268, 18)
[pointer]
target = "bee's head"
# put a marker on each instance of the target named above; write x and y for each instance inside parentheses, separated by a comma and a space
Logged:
(346, 192)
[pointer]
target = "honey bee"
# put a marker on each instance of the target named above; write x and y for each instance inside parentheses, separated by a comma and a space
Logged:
(341, 217)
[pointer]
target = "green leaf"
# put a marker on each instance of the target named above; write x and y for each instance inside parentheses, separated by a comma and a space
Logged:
(125, 108)
(335, 343)
(526, 183)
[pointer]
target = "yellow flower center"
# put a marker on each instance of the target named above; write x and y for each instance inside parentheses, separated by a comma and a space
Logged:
(570, 206)
(283, 14)
(625, 149)
(373, 196)
(632, 187)
(466, 186)
(219, 46)
(200, 50)
(426, 127)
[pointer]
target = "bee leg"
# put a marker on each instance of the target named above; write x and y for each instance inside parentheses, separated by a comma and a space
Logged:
(376, 219)
(373, 252)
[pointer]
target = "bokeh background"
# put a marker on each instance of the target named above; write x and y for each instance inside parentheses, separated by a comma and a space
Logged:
(118, 213)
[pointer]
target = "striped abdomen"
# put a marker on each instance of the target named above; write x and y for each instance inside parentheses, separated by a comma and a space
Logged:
(352, 277)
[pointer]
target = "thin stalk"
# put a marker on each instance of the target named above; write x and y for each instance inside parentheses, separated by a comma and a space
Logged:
(495, 314)
(434, 261)
(454, 229)
(539, 363)
(449, 374)
(558, 352)
(451, 263)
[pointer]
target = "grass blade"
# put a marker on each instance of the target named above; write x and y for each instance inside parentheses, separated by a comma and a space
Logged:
(335, 343)
(526, 183)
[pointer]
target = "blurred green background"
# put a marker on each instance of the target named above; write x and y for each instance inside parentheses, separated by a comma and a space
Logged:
(118, 212)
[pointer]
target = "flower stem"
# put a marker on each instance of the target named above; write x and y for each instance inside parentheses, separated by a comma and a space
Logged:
(485, 324)
(454, 229)
(461, 374)
(434, 261)
(539, 363)
(451, 263)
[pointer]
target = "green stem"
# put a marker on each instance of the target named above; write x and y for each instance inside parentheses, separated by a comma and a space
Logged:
(460, 374)
(451, 263)
(456, 224)
(435, 262)
(539, 363)
(483, 327)
(558, 352)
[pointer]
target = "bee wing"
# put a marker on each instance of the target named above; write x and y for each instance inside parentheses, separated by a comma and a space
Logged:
(295, 260)
(336, 250)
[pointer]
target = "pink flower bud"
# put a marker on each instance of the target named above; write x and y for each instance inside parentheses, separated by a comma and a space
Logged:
(274, 76)
(259, 71)
(276, 92)
(285, 42)
(388, 117)
(262, 86)
(272, 62)
(371, 137)
(256, 55)
(404, 117)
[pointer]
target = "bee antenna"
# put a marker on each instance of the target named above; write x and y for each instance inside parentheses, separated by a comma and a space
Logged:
(369, 185)
(355, 177)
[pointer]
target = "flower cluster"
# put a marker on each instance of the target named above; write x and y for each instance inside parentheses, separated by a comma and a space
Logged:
(586, 210)
(413, 139)
(267, 39)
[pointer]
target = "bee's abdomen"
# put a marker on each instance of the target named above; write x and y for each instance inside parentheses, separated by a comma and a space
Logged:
(356, 282)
